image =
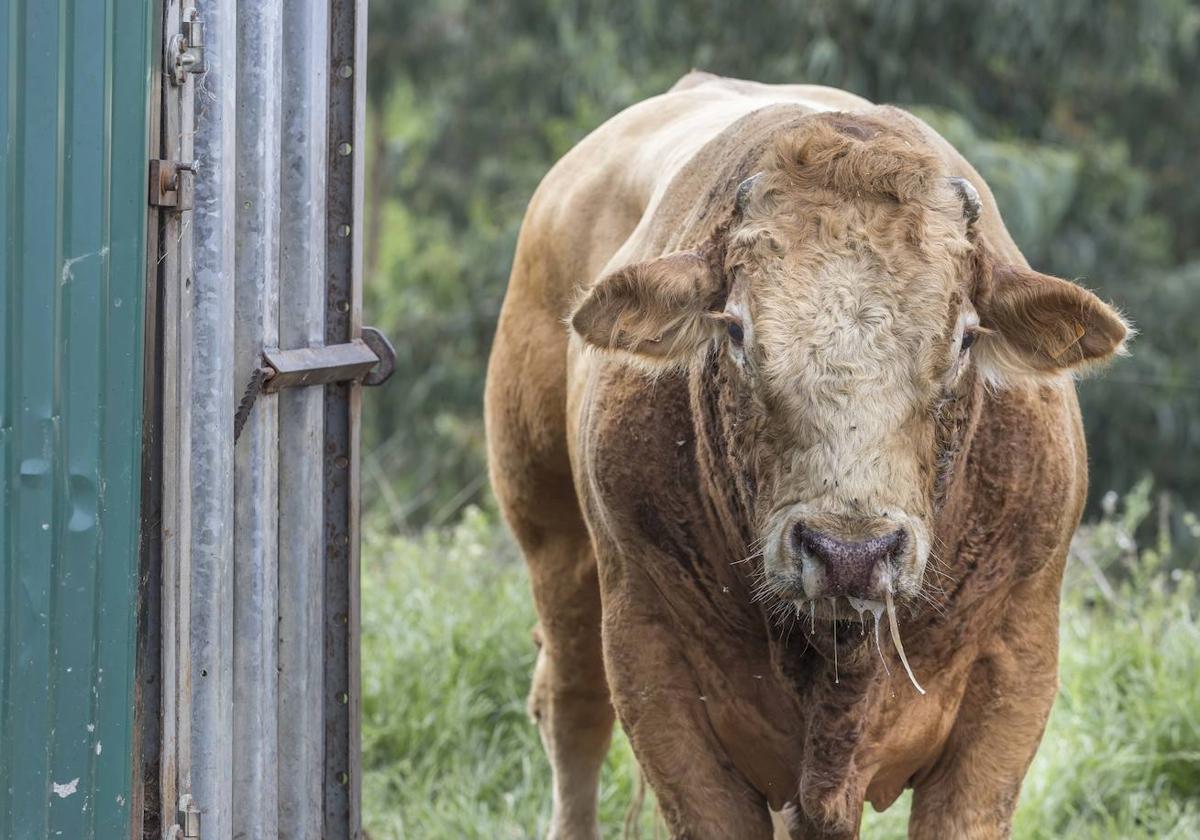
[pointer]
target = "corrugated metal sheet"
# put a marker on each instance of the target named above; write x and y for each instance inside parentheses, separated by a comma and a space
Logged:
(74, 92)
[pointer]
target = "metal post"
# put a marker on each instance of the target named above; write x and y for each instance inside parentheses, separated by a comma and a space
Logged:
(212, 400)
(256, 475)
(301, 420)
(175, 268)
(343, 321)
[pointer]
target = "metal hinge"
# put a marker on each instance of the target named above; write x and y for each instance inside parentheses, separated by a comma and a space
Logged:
(185, 49)
(188, 816)
(171, 184)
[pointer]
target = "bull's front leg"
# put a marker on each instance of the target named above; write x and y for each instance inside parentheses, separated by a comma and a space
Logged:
(700, 793)
(971, 791)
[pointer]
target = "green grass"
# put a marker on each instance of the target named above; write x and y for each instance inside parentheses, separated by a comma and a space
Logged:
(449, 751)
(448, 748)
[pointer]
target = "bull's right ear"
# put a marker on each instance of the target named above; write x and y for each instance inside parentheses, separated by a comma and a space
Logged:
(661, 311)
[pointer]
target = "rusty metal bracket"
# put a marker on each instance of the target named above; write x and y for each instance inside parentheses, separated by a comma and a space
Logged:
(171, 184)
(185, 49)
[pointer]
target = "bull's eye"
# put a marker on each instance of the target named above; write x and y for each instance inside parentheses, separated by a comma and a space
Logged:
(968, 339)
(736, 334)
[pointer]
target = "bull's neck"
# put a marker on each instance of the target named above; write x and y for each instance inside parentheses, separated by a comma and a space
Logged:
(722, 455)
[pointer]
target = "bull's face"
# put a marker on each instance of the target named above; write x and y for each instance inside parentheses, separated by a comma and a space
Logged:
(854, 312)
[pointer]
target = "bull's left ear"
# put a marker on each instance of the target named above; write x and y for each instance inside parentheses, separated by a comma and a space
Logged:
(1039, 326)
(660, 311)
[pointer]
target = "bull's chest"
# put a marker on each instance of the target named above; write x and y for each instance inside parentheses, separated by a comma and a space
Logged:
(670, 560)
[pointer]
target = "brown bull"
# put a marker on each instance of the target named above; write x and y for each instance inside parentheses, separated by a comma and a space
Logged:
(771, 373)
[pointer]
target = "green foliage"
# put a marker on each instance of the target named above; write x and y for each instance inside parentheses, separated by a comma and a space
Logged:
(1130, 652)
(448, 748)
(1082, 114)
(449, 751)
(1144, 415)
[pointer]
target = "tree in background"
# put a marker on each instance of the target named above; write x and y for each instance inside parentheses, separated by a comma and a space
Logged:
(1081, 114)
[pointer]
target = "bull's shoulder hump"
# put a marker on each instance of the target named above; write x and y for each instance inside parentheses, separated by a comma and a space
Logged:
(815, 97)
(602, 190)
(642, 148)
(655, 138)
(628, 160)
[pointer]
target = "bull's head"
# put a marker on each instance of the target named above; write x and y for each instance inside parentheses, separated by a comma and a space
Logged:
(854, 305)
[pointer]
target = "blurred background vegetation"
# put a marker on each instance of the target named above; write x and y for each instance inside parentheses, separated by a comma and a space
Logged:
(1083, 116)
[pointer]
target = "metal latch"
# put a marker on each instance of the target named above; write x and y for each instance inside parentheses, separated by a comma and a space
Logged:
(185, 49)
(171, 184)
(369, 360)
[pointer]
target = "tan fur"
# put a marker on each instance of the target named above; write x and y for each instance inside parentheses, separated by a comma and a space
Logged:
(652, 467)
(662, 309)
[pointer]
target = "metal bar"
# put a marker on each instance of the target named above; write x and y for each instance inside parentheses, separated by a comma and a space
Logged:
(301, 419)
(212, 399)
(342, 783)
(256, 475)
(318, 365)
(175, 266)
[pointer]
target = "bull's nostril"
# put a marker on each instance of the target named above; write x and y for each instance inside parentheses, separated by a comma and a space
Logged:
(801, 537)
(827, 548)
(849, 566)
(893, 544)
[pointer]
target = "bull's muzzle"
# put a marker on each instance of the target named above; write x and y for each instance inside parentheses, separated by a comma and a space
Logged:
(831, 566)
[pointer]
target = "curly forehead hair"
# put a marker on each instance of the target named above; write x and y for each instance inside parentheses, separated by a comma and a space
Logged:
(877, 153)
(877, 161)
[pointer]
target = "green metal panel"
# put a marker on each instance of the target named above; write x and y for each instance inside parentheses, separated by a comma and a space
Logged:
(74, 94)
